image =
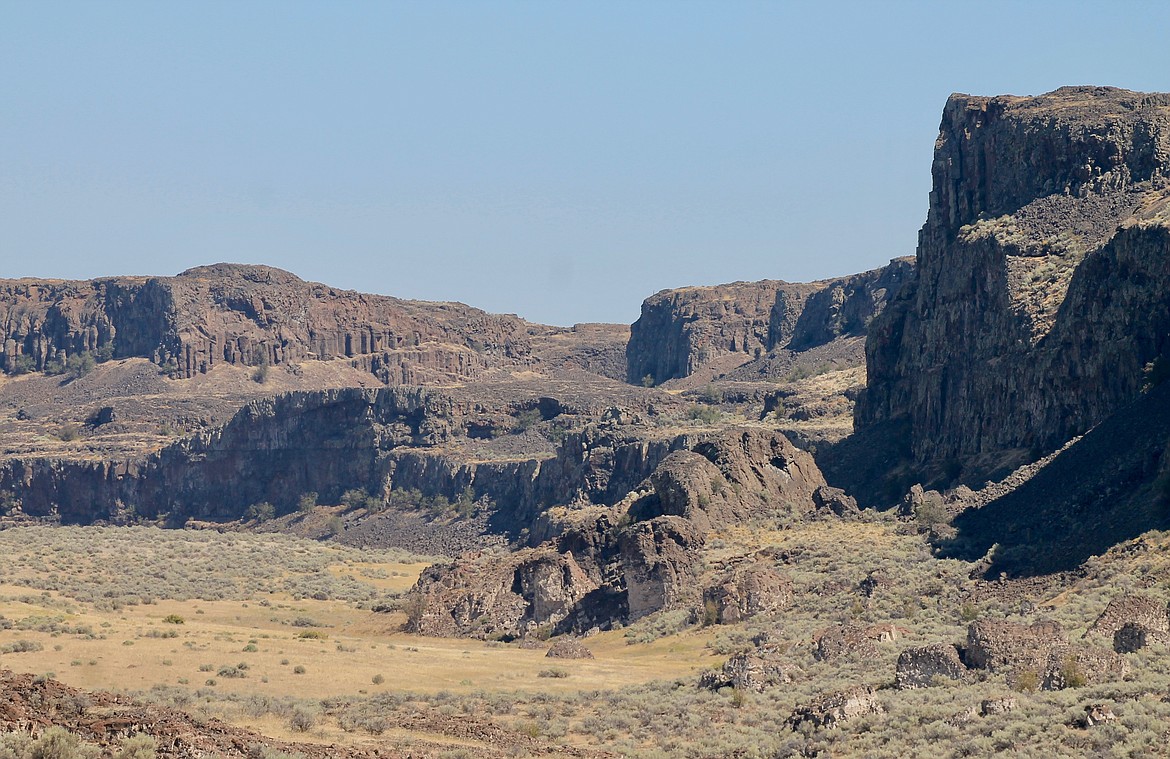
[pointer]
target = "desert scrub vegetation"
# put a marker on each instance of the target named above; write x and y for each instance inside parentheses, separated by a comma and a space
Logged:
(111, 567)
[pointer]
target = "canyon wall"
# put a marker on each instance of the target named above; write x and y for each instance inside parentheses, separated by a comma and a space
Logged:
(276, 449)
(1040, 302)
(249, 315)
(682, 330)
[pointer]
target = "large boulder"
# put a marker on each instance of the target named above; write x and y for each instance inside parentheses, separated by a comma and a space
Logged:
(754, 670)
(925, 666)
(745, 591)
(1039, 653)
(492, 596)
(830, 709)
(1135, 609)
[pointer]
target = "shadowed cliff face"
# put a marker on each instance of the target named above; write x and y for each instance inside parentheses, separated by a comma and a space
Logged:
(1040, 296)
(327, 442)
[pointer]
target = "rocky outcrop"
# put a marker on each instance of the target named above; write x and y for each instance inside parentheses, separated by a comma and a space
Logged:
(840, 308)
(1131, 610)
(831, 709)
(1134, 636)
(637, 557)
(745, 591)
(1040, 296)
(925, 666)
(251, 316)
(680, 331)
(568, 648)
(1039, 656)
(755, 670)
(492, 596)
(658, 561)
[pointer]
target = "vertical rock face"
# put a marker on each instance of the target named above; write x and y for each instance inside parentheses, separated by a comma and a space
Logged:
(658, 559)
(250, 315)
(1041, 294)
(681, 331)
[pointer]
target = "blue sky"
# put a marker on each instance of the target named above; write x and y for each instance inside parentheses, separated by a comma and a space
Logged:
(559, 160)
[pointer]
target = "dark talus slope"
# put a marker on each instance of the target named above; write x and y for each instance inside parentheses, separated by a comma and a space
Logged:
(724, 327)
(1107, 487)
(1041, 295)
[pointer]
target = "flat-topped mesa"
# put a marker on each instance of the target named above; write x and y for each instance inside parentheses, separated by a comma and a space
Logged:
(682, 331)
(1040, 295)
(249, 315)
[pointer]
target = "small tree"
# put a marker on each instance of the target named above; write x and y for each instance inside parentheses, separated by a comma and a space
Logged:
(307, 502)
(79, 365)
(354, 499)
(260, 512)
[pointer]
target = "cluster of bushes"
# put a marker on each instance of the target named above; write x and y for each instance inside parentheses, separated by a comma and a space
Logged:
(59, 743)
(76, 365)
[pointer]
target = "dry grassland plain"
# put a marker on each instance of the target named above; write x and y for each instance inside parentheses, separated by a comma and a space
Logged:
(278, 634)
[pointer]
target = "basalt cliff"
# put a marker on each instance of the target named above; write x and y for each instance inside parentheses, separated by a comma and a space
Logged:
(1039, 302)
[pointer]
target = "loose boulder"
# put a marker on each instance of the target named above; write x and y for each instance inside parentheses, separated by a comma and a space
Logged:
(927, 665)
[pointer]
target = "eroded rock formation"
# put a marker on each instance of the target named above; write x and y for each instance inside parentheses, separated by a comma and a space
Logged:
(639, 556)
(251, 315)
(680, 331)
(1040, 296)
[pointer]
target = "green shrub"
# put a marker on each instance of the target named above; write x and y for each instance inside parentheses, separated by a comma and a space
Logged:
(307, 502)
(22, 364)
(58, 743)
(137, 747)
(79, 365)
(260, 512)
(174, 619)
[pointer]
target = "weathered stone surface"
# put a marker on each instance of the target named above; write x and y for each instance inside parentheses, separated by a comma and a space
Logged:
(680, 331)
(1001, 705)
(842, 641)
(1099, 714)
(995, 645)
(1040, 652)
(841, 308)
(747, 590)
(755, 670)
(1131, 609)
(658, 562)
(1041, 288)
(732, 477)
(1075, 665)
(834, 501)
(252, 315)
(1134, 636)
(922, 667)
(568, 648)
(829, 710)
(485, 596)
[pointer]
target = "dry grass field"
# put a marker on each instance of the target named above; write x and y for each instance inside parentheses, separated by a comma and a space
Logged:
(279, 634)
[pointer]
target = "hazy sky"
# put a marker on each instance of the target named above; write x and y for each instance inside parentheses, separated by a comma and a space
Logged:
(559, 160)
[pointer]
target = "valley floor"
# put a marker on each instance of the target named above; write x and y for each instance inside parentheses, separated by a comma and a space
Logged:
(279, 635)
